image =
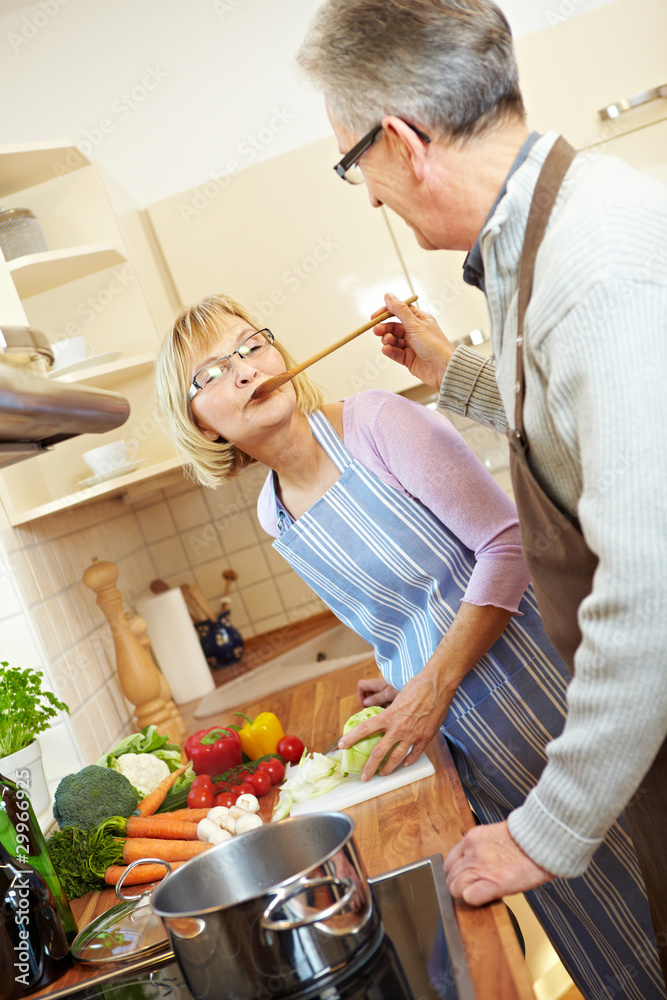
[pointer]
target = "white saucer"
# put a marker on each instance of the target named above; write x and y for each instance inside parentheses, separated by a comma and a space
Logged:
(91, 362)
(121, 470)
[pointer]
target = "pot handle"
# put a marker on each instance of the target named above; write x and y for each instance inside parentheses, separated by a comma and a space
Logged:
(142, 861)
(267, 922)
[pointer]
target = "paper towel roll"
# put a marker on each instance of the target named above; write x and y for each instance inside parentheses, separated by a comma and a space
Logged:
(176, 645)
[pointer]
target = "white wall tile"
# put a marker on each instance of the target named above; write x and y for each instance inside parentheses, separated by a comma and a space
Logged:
(251, 565)
(202, 544)
(156, 522)
(262, 600)
(169, 556)
(20, 643)
(10, 604)
(64, 684)
(242, 531)
(189, 510)
(273, 621)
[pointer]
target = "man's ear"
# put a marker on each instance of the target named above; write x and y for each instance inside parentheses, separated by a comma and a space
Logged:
(407, 143)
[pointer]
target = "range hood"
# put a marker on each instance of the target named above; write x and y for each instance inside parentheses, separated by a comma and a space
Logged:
(37, 413)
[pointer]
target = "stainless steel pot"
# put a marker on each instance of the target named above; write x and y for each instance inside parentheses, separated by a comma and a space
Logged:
(272, 911)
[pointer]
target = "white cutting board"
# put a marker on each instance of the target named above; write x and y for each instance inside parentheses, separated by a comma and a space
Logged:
(353, 790)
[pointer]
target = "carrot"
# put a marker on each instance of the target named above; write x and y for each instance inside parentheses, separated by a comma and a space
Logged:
(140, 875)
(154, 799)
(135, 848)
(148, 826)
(189, 815)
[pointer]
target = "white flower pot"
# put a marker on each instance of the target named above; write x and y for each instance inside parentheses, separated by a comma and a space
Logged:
(25, 768)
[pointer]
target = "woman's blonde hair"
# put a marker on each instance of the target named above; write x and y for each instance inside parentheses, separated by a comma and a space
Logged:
(193, 332)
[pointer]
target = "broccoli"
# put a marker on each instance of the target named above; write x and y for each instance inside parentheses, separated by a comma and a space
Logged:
(90, 796)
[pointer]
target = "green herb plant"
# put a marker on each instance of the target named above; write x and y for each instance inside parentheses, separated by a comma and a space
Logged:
(25, 709)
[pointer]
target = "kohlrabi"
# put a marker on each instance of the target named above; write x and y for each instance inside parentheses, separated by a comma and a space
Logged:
(353, 760)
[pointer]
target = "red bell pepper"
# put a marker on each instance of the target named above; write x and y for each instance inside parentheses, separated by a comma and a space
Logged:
(213, 750)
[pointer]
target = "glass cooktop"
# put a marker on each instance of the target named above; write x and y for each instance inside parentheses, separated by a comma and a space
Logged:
(419, 957)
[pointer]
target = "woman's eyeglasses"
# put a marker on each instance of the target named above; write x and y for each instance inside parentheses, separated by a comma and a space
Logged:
(215, 371)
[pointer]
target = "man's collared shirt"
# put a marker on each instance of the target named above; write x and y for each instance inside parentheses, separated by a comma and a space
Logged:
(473, 265)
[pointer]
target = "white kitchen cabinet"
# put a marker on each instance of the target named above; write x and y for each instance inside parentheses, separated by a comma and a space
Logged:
(578, 65)
(299, 248)
(84, 285)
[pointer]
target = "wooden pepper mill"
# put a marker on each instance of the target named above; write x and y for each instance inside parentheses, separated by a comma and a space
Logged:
(138, 676)
(138, 626)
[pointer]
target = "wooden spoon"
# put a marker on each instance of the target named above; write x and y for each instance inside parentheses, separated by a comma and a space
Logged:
(268, 386)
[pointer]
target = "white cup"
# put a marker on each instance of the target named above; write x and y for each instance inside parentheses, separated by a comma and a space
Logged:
(110, 456)
(68, 352)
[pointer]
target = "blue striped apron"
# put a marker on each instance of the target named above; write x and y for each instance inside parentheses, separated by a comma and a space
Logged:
(395, 574)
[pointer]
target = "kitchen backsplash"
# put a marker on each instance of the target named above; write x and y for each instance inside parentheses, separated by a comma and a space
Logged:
(180, 534)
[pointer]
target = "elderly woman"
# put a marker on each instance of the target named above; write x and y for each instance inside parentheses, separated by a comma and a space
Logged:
(427, 567)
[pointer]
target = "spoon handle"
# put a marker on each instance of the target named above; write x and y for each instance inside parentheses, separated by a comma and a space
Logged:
(345, 340)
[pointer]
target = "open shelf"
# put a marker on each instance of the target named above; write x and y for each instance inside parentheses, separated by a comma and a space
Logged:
(40, 272)
(107, 490)
(108, 375)
(33, 163)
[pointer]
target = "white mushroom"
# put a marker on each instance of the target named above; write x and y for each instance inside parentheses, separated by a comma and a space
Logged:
(216, 813)
(206, 827)
(248, 802)
(228, 823)
(237, 811)
(248, 822)
(219, 836)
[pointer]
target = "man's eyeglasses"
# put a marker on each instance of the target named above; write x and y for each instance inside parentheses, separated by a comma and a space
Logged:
(348, 169)
(253, 346)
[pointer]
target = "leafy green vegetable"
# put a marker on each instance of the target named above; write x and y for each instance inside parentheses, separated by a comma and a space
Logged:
(356, 756)
(81, 857)
(25, 710)
(90, 796)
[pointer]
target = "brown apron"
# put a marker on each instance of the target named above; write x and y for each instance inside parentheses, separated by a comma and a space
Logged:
(562, 566)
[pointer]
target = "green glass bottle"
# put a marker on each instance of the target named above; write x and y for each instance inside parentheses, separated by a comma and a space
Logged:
(22, 838)
(33, 949)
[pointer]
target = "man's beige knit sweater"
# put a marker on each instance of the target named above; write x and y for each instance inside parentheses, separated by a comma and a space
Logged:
(596, 419)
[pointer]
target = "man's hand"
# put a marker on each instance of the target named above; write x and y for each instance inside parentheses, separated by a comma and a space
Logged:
(416, 341)
(375, 691)
(488, 864)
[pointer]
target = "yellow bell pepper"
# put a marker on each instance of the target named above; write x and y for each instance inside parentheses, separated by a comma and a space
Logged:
(260, 736)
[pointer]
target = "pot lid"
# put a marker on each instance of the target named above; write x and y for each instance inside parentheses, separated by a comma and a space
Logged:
(127, 932)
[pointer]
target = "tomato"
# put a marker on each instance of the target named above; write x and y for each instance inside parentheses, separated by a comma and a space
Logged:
(244, 788)
(202, 781)
(290, 749)
(260, 781)
(274, 768)
(225, 799)
(201, 797)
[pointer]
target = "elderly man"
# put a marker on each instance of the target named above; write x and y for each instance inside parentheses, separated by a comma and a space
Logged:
(571, 254)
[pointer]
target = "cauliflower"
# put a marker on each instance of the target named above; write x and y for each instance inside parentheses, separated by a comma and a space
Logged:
(142, 770)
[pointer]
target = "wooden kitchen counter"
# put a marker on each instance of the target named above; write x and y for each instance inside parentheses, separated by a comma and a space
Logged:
(395, 829)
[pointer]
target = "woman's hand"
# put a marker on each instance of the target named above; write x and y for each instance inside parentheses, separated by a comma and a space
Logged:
(409, 723)
(416, 713)
(416, 341)
(375, 691)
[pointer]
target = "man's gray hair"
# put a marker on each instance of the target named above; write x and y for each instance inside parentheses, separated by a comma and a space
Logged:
(447, 65)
